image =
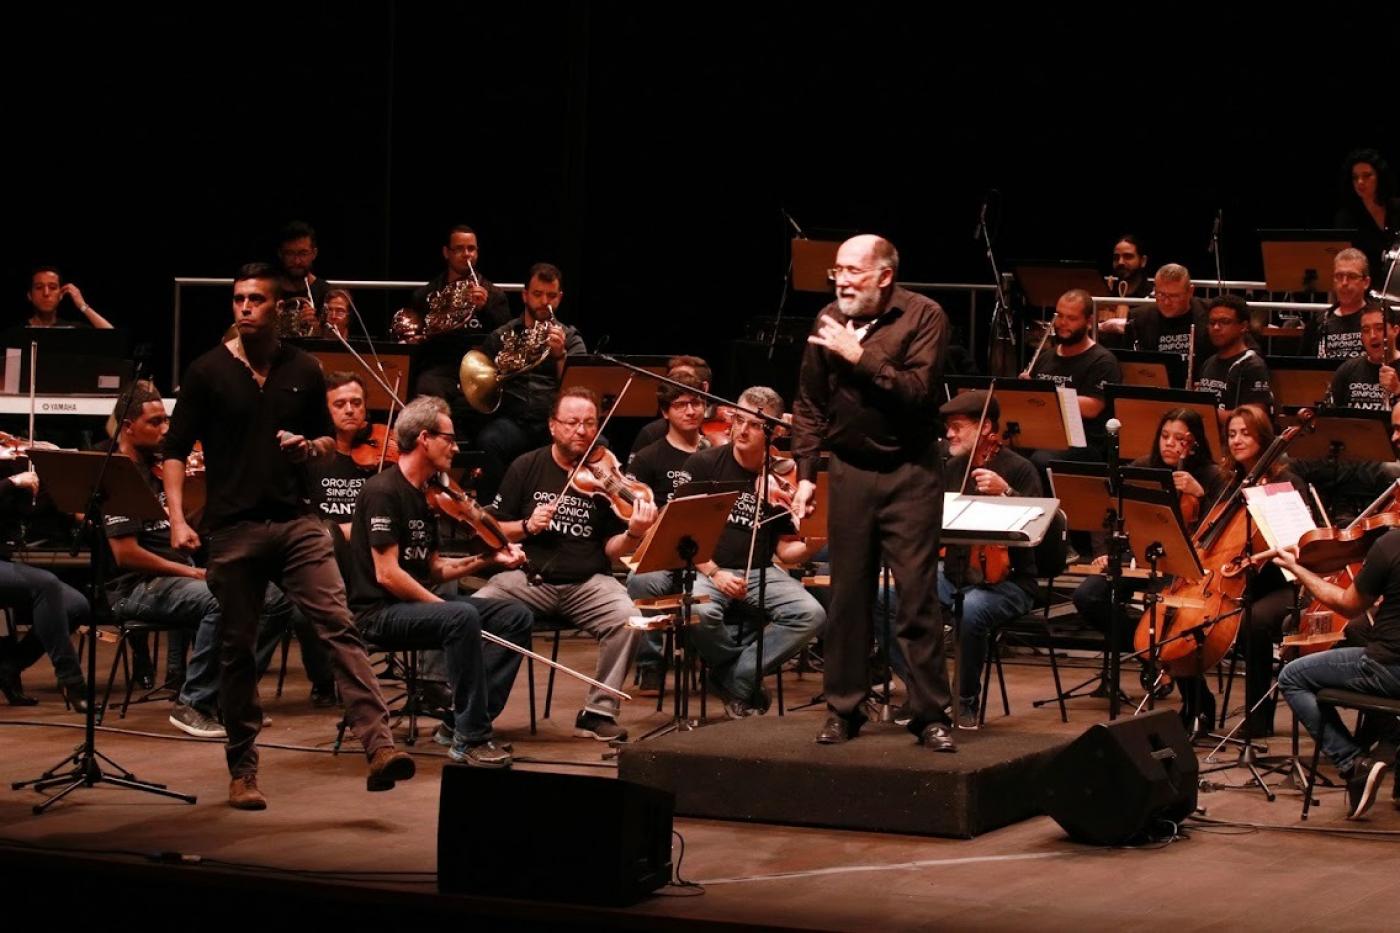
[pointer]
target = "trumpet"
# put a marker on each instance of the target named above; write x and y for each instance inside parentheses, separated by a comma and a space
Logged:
(521, 351)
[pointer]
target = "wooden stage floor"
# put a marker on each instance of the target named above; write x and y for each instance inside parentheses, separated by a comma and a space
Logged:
(322, 823)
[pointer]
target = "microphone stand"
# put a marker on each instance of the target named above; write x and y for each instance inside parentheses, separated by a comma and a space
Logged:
(787, 279)
(770, 425)
(1215, 249)
(1117, 549)
(1000, 330)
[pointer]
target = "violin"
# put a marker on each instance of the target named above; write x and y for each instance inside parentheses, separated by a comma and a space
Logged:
(993, 560)
(716, 429)
(601, 475)
(446, 498)
(375, 446)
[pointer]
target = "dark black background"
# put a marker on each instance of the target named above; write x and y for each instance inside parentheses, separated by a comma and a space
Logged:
(647, 149)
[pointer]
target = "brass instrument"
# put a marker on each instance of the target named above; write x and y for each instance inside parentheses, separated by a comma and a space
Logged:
(520, 352)
(296, 317)
(406, 326)
(451, 307)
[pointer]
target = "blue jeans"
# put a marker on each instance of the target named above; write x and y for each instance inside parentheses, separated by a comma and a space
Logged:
(983, 609)
(650, 586)
(58, 609)
(481, 675)
(187, 602)
(1343, 669)
(795, 618)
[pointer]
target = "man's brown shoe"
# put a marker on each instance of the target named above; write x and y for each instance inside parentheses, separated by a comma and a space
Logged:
(243, 793)
(388, 765)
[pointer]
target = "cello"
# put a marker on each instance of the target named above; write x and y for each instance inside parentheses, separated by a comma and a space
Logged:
(1202, 618)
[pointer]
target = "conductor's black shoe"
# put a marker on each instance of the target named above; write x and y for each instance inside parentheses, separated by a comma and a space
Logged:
(838, 730)
(937, 737)
(1363, 782)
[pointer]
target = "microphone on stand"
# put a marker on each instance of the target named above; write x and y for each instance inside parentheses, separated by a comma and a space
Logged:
(1113, 427)
(796, 229)
(1215, 231)
(981, 220)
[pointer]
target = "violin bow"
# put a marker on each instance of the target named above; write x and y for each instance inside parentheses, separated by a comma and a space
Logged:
(972, 454)
(389, 423)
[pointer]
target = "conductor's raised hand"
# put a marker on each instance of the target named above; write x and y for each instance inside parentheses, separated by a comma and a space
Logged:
(840, 340)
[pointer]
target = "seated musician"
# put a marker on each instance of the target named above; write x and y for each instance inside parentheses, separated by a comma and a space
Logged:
(296, 254)
(661, 465)
(1181, 447)
(58, 609)
(337, 312)
(156, 583)
(1248, 434)
(1234, 373)
(572, 538)
(1129, 280)
(795, 617)
(676, 367)
(336, 480)
(394, 565)
(522, 421)
(987, 601)
(47, 290)
(1165, 326)
(1081, 364)
(1338, 336)
(1369, 380)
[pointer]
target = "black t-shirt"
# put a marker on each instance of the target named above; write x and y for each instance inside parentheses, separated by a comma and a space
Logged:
(1024, 480)
(1237, 380)
(248, 476)
(662, 467)
(488, 317)
(529, 397)
(650, 433)
(1150, 329)
(390, 511)
(335, 484)
(571, 549)
(717, 465)
(1357, 384)
(1087, 373)
(1380, 576)
(154, 536)
(1340, 336)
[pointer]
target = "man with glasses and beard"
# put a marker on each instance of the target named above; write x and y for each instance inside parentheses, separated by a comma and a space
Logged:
(1340, 330)
(1080, 364)
(868, 392)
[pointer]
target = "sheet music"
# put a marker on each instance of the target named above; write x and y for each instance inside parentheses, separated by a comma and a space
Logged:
(981, 515)
(953, 503)
(1280, 514)
(1074, 421)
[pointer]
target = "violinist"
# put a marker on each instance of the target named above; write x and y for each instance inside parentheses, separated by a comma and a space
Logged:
(661, 466)
(336, 480)
(677, 366)
(572, 538)
(1369, 380)
(991, 596)
(1182, 448)
(1249, 433)
(1339, 334)
(1235, 373)
(394, 566)
(795, 617)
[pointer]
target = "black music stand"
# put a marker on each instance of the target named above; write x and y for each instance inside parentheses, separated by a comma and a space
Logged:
(1151, 369)
(88, 482)
(684, 534)
(1031, 416)
(1044, 282)
(1345, 434)
(1139, 408)
(1300, 381)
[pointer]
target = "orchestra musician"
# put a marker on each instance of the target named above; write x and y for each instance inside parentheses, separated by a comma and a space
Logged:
(1370, 204)
(1165, 325)
(1235, 374)
(296, 254)
(868, 392)
(1339, 335)
(335, 314)
(1129, 280)
(677, 366)
(47, 290)
(1368, 380)
(1080, 363)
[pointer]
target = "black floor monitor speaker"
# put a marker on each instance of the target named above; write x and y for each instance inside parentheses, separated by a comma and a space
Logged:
(1120, 781)
(557, 837)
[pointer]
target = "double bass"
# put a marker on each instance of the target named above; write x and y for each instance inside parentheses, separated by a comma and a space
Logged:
(1202, 618)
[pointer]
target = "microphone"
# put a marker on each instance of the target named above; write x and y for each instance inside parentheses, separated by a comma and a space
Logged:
(981, 220)
(1215, 231)
(796, 229)
(1113, 427)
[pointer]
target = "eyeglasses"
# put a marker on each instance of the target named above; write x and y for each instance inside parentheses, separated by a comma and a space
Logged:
(574, 424)
(850, 272)
(451, 438)
(1347, 276)
(688, 403)
(742, 423)
(1170, 296)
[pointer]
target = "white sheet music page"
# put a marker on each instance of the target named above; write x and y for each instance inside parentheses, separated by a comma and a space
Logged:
(1074, 421)
(984, 515)
(1279, 513)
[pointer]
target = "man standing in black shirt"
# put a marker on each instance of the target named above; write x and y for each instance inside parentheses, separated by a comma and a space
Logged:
(394, 565)
(522, 420)
(794, 615)
(1373, 669)
(1340, 335)
(986, 603)
(572, 539)
(1369, 381)
(1236, 374)
(259, 407)
(868, 392)
(1078, 363)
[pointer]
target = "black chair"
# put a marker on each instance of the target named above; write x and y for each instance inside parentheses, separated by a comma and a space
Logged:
(1329, 699)
(126, 631)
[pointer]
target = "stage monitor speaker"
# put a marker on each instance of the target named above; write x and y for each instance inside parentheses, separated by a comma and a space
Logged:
(1120, 781)
(560, 837)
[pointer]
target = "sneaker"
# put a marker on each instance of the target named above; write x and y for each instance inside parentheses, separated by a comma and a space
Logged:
(738, 709)
(190, 720)
(323, 696)
(967, 714)
(1363, 780)
(595, 726)
(481, 754)
(388, 766)
(446, 735)
(243, 793)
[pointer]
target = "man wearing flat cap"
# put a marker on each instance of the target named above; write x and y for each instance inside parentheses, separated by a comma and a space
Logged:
(985, 604)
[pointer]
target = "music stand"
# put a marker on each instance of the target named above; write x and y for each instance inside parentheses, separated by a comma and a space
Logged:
(1043, 282)
(811, 261)
(1297, 260)
(335, 359)
(1082, 489)
(684, 534)
(1139, 408)
(609, 380)
(88, 482)
(1031, 416)
(1300, 380)
(1345, 434)
(1149, 368)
